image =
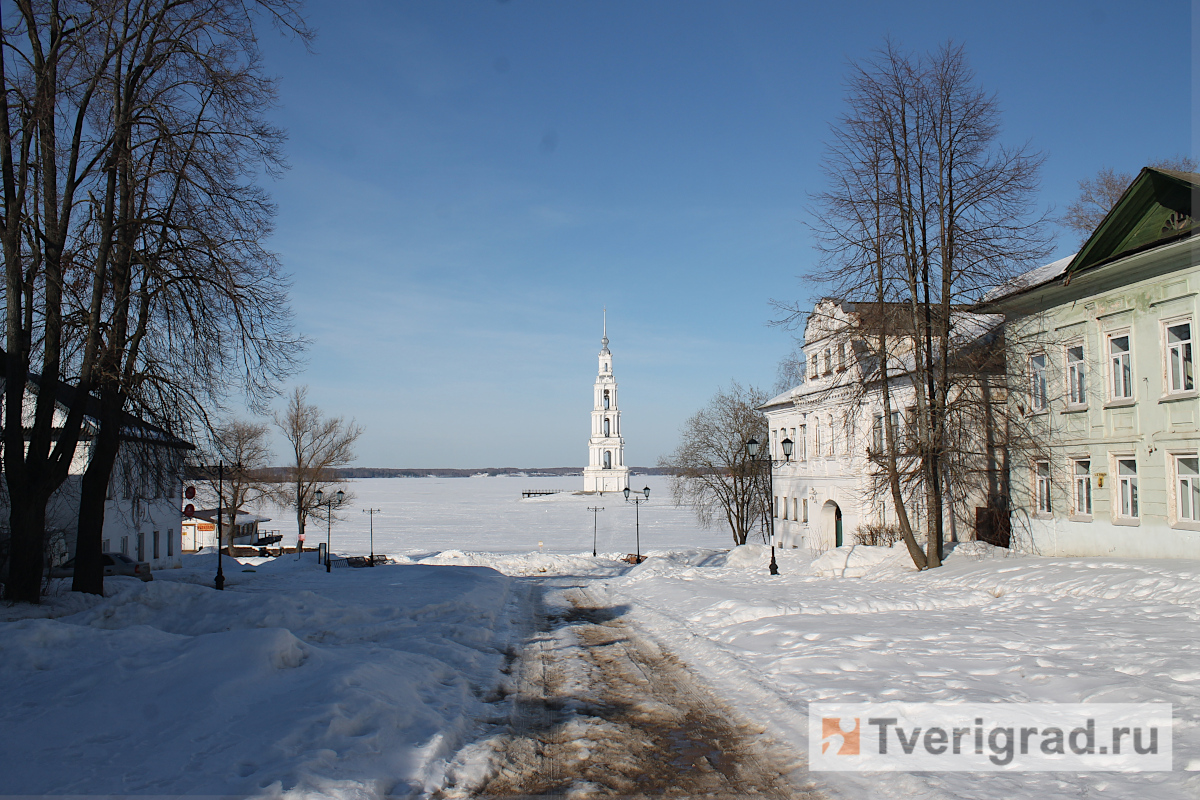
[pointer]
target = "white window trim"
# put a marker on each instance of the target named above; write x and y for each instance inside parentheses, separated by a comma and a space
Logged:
(1076, 514)
(1169, 392)
(1174, 519)
(1039, 391)
(1039, 512)
(1117, 517)
(1069, 383)
(1109, 375)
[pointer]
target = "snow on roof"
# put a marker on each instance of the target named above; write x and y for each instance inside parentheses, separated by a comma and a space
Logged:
(243, 518)
(782, 399)
(1034, 277)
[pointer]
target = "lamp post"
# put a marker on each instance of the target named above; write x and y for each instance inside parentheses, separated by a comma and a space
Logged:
(752, 448)
(220, 581)
(595, 519)
(329, 522)
(637, 502)
(372, 512)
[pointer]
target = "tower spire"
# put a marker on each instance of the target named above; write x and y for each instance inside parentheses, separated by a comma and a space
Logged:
(604, 341)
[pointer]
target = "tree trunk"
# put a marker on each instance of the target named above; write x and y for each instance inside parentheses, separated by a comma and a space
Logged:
(89, 561)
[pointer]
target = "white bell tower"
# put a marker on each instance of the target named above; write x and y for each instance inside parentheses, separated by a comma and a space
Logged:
(606, 470)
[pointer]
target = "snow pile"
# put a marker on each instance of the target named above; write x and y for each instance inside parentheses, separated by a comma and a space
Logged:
(346, 684)
(988, 626)
(858, 560)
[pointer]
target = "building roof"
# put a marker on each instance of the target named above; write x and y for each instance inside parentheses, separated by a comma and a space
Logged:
(243, 517)
(1154, 211)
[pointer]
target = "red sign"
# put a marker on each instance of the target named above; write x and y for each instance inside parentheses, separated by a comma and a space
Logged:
(189, 492)
(190, 510)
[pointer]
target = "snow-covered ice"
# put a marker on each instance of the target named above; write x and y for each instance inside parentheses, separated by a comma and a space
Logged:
(360, 683)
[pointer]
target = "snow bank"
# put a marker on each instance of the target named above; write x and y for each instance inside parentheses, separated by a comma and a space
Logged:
(356, 683)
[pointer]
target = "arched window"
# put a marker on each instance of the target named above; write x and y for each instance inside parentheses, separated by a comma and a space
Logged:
(606, 398)
(606, 433)
(608, 459)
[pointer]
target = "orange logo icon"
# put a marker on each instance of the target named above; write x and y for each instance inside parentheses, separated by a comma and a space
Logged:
(840, 733)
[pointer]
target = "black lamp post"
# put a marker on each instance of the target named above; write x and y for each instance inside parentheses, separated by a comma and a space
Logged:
(595, 521)
(637, 526)
(752, 448)
(329, 522)
(220, 581)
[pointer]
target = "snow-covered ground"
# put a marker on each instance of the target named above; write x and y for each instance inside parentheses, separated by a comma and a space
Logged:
(362, 683)
(489, 515)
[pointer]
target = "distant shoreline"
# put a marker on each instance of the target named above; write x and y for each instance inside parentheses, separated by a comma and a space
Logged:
(350, 473)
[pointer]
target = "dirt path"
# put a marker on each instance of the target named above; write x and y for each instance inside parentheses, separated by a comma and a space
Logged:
(601, 711)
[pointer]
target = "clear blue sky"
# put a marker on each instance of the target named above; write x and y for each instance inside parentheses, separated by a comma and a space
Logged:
(472, 181)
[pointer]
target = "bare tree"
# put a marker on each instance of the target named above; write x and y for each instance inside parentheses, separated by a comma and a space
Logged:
(131, 140)
(710, 470)
(1098, 195)
(243, 448)
(924, 214)
(319, 446)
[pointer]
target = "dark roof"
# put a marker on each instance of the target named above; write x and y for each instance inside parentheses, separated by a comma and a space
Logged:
(1155, 210)
(132, 428)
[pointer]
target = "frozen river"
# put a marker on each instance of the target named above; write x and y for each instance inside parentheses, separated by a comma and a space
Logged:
(419, 515)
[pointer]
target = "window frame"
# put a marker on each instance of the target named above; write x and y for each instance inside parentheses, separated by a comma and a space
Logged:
(1111, 373)
(1169, 388)
(1082, 485)
(1039, 388)
(1126, 513)
(1043, 500)
(1178, 520)
(1075, 375)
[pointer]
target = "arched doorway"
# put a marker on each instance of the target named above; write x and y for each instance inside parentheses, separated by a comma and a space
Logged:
(831, 522)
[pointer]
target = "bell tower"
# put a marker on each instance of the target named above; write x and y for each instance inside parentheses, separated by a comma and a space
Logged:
(606, 470)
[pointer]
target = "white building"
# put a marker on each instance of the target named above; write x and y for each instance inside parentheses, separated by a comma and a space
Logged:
(835, 483)
(142, 516)
(606, 470)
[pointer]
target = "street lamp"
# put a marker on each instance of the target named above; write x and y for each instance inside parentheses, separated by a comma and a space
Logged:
(372, 512)
(595, 520)
(219, 583)
(752, 449)
(637, 502)
(329, 522)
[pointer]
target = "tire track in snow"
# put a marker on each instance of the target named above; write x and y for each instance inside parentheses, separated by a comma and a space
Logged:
(601, 711)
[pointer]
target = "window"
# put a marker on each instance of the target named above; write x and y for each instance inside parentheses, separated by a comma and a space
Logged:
(776, 510)
(106, 545)
(156, 553)
(1042, 469)
(1179, 358)
(608, 459)
(817, 438)
(1083, 487)
(1120, 367)
(877, 433)
(141, 546)
(805, 507)
(1037, 382)
(125, 545)
(897, 428)
(606, 426)
(828, 361)
(841, 357)
(1127, 487)
(785, 507)
(1187, 470)
(814, 366)
(1076, 376)
(606, 399)
(170, 544)
(795, 508)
